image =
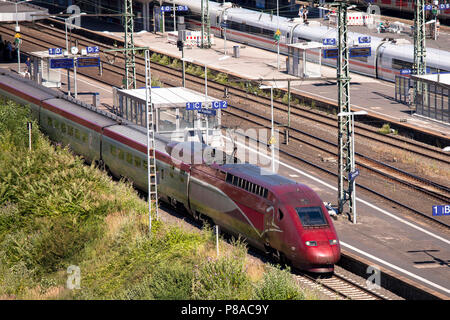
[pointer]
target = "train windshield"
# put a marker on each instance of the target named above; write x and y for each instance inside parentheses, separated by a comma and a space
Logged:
(311, 216)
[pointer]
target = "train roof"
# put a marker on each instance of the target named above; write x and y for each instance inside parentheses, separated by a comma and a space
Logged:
(257, 174)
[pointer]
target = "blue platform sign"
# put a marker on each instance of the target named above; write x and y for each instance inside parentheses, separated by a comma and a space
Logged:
(329, 42)
(219, 104)
(427, 7)
(441, 210)
(177, 8)
(55, 51)
(94, 49)
(209, 112)
(405, 71)
(65, 63)
(193, 105)
(365, 39)
(352, 175)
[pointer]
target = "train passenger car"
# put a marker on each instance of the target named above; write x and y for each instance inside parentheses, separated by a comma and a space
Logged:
(258, 29)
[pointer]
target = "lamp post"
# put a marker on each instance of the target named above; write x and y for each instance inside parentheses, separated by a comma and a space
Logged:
(225, 18)
(17, 29)
(66, 53)
(351, 181)
(278, 42)
(272, 133)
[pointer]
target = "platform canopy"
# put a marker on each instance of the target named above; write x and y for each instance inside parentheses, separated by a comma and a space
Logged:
(25, 12)
(170, 97)
(440, 79)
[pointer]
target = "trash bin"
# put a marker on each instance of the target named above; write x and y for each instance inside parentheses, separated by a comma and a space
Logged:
(96, 99)
(236, 51)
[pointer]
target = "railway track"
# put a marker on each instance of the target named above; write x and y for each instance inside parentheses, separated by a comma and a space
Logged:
(339, 285)
(367, 132)
(439, 192)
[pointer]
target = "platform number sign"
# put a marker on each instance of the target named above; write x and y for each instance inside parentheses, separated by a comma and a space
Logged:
(441, 210)
(177, 8)
(365, 39)
(219, 104)
(55, 51)
(94, 49)
(329, 42)
(193, 105)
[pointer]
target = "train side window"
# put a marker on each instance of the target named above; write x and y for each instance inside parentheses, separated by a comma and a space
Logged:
(162, 174)
(137, 162)
(84, 137)
(121, 154)
(145, 163)
(235, 180)
(256, 189)
(266, 193)
(77, 134)
(50, 121)
(129, 158)
(70, 130)
(229, 178)
(113, 150)
(56, 124)
(63, 127)
(280, 214)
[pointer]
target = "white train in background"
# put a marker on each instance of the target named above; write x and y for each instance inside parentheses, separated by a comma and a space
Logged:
(388, 56)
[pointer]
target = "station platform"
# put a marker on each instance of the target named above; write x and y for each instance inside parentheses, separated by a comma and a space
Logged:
(367, 93)
(25, 12)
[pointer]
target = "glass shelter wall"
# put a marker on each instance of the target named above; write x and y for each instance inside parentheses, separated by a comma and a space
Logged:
(432, 101)
(170, 118)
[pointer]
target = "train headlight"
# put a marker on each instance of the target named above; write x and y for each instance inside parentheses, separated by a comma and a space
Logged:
(333, 242)
(311, 243)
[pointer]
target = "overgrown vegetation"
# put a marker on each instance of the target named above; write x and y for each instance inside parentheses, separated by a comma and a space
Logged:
(57, 212)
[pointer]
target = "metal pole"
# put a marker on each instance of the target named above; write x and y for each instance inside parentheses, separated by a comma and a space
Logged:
(289, 103)
(18, 43)
(217, 239)
(29, 125)
(75, 77)
(272, 148)
(353, 194)
(278, 42)
(184, 67)
(225, 41)
(174, 19)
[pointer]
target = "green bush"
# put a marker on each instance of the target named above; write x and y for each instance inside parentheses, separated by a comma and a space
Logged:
(277, 284)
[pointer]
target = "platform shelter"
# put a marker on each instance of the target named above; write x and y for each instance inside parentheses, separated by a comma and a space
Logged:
(305, 59)
(181, 114)
(432, 100)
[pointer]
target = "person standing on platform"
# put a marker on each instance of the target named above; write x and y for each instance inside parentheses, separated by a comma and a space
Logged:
(28, 72)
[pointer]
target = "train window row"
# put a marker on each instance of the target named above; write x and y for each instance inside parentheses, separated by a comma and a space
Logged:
(128, 157)
(247, 185)
(250, 29)
(67, 129)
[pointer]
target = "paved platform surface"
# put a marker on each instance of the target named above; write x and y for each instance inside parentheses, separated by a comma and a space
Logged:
(370, 94)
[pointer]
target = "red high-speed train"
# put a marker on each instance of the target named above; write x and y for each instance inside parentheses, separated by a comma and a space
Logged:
(272, 212)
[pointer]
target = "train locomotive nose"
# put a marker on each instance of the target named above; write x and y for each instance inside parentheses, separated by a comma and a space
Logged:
(323, 254)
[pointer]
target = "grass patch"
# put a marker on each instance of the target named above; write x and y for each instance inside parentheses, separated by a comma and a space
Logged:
(57, 212)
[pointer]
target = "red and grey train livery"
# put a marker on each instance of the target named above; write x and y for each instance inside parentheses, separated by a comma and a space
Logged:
(388, 56)
(273, 213)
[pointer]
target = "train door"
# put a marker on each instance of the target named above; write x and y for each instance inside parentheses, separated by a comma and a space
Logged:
(271, 227)
(379, 69)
